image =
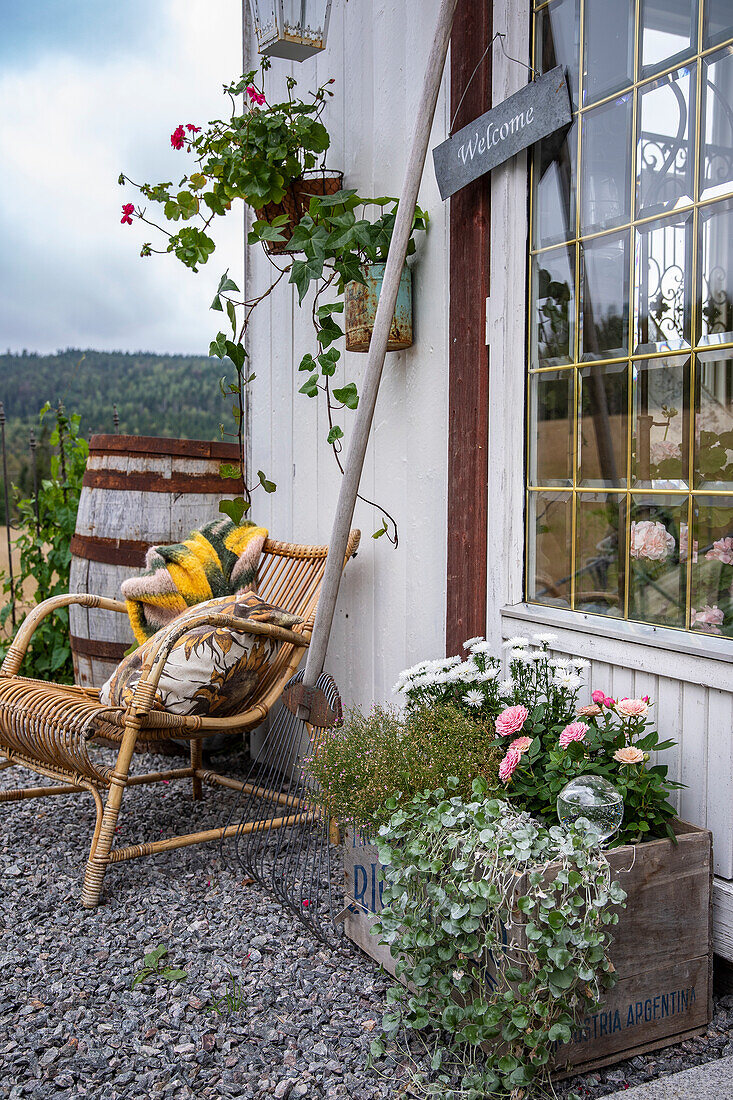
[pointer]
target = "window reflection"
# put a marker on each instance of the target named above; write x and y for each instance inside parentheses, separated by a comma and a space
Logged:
(718, 21)
(717, 119)
(663, 267)
(554, 296)
(602, 435)
(661, 433)
(666, 127)
(606, 165)
(608, 48)
(557, 41)
(712, 566)
(600, 554)
(605, 297)
(658, 588)
(554, 212)
(714, 422)
(549, 558)
(668, 29)
(716, 307)
(552, 407)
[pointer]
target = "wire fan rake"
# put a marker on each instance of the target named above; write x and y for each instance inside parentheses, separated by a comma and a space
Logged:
(283, 839)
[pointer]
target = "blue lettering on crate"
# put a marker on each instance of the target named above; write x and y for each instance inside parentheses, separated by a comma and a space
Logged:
(368, 887)
(659, 1007)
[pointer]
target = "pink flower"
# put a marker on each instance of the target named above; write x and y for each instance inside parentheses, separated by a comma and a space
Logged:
(592, 710)
(178, 136)
(683, 545)
(709, 619)
(192, 129)
(520, 744)
(651, 540)
(663, 448)
(722, 551)
(575, 731)
(599, 697)
(127, 210)
(511, 720)
(255, 96)
(609, 702)
(629, 755)
(632, 708)
(509, 764)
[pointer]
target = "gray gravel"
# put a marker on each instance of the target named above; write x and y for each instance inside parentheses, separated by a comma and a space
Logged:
(71, 1026)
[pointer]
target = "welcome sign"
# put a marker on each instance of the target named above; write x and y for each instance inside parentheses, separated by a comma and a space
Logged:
(525, 117)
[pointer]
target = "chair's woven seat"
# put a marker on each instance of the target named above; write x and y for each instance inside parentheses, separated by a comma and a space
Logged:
(51, 725)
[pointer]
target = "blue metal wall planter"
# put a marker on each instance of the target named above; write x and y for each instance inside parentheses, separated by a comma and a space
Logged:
(361, 309)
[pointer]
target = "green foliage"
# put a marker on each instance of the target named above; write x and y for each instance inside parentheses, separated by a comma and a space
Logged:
(155, 967)
(233, 1001)
(45, 528)
(489, 1005)
(384, 755)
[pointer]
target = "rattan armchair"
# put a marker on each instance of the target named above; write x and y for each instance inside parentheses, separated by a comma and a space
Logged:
(48, 727)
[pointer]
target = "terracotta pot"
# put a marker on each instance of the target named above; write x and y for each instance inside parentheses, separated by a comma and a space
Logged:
(295, 204)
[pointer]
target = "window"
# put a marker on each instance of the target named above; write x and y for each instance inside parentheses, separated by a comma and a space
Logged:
(630, 352)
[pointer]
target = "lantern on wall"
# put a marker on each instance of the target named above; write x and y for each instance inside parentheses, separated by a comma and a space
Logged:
(293, 29)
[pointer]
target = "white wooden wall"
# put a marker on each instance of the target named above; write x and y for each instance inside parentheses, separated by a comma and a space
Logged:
(392, 603)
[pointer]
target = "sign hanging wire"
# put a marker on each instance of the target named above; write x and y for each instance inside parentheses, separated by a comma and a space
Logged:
(501, 35)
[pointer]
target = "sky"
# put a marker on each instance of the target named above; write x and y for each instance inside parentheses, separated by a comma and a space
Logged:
(89, 89)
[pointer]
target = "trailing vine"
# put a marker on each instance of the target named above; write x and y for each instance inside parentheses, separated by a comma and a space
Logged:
(500, 927)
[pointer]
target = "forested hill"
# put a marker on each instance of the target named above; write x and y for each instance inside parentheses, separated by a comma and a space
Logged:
(169, 395)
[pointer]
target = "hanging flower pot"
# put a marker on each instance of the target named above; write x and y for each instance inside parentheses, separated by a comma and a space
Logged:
(361, 309)
(295, 204)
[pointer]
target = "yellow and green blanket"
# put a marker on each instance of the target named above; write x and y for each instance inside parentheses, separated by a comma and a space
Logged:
(217, 560)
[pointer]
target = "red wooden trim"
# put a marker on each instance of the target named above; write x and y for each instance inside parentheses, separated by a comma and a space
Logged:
(468, 400)
(142, 482)
(156, 445)
(105, 651)
(110, 551)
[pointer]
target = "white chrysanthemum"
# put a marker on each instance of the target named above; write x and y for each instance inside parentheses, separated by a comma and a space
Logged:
(474, 698)
(490, 674)
(481, 647)
(515, 643)
(580, 662)
(544, 639)
(559, 662)
(526, 656)
(566, 679)
(506, 687)
(471, 642)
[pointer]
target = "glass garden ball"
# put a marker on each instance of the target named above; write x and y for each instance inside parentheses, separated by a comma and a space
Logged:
(594, 798)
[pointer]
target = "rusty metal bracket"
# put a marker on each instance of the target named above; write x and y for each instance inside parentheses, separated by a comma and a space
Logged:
(310, 704)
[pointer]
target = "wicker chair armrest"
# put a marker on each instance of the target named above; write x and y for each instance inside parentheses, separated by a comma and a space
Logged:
(144, 695)
(19, 646)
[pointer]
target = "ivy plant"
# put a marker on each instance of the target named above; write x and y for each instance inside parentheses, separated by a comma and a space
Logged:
(501, 929)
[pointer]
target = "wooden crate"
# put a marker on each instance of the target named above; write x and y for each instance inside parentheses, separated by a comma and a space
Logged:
(662, 945)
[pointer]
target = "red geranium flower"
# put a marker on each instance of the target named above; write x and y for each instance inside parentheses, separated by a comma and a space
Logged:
(127, 210)
(194, 129)
(177, 137)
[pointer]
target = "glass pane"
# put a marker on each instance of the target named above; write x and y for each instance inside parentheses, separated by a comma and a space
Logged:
(718, 21)
(716, 248)
(604, 305)
(551, 428)
(716, 169)
(606, 165)
(549, 566)
(660, 443)
(556, 41)
(553, 213)
(665, 155)
(663, 272)
(658, 582)
(600, 535)
(668, 30)
(608, 48)
(602, 436)
(553, 294)
(712, 566)
(714, 424)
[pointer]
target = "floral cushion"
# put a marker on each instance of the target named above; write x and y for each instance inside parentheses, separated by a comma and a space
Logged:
(211, 670)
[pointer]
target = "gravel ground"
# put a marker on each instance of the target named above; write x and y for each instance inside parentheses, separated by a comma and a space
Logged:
(70, 1025)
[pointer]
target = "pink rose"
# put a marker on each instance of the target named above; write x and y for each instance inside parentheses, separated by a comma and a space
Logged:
(708, 619)
(520, 744)
(511, 720)
(509, 764)
(632, 708)
(576, 731)
(651, 540)
(629, 755)
(599, 697)
(722, 551)
(609, 702)
(592, 710)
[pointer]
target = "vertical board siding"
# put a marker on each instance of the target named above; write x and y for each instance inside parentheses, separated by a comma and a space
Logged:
(391, 609)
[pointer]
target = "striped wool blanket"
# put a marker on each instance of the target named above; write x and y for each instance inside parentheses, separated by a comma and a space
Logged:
(218, 560)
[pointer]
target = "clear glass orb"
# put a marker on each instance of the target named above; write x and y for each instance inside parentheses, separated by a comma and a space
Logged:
(594, 798)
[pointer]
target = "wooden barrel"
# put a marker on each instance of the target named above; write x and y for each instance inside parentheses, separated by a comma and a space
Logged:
(137, 491)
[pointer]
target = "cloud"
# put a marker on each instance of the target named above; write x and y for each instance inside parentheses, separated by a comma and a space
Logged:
(71, 274)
